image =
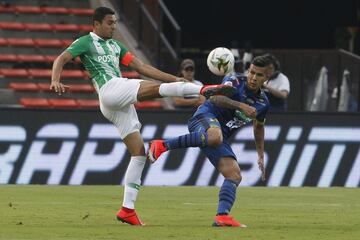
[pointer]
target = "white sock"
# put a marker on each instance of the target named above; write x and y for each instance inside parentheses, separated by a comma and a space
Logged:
(179, 89)
(132, 180)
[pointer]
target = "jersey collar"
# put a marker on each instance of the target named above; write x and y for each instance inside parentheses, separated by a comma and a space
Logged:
(96, 37)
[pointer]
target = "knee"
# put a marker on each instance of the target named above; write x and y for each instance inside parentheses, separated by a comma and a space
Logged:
(236, 178)
(215, 138)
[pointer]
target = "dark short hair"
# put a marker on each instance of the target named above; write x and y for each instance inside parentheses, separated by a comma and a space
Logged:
(273, 60)
(261, 61)
(101, 12)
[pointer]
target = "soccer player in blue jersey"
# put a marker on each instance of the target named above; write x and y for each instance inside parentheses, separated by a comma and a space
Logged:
(215, 121)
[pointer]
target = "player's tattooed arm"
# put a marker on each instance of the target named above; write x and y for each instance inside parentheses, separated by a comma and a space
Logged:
(225, 102)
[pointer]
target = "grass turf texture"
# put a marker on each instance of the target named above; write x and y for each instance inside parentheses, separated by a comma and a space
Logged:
(88, 212)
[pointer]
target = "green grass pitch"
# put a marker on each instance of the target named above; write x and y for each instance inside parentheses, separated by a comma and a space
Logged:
(88, 212)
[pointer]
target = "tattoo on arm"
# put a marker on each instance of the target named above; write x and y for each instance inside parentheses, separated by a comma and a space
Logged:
(224, 102)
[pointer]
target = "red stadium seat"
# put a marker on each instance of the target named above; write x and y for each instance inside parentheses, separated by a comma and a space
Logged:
(28, 9)
(9, 72)
(149, 105)
(31, 58)
(130, 74)
(3, 42)
(82, 11)
(67, 42)
(12, 26)
(86, 74)
(34, 102)
(88, 103)
(55, 10)
(50, 58)
(85, 88)
(65, 27)
(39, 73)
(38, 27)
(8, 58)
(63, 103)
(52, 43)
(21, 42)
(85, 28)
(23, 86)
(44, 87)
(9, 9)
(72, 74)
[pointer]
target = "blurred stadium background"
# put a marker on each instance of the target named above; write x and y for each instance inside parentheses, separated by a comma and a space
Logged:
(50, 139)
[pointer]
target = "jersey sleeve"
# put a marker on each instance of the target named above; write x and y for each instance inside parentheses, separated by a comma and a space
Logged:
(126, 57)
(231, 80)
(78, 47)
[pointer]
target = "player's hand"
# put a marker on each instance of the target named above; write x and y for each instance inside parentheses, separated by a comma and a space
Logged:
(180, 79)
(262, 167)
(58, 87)
(250, 111)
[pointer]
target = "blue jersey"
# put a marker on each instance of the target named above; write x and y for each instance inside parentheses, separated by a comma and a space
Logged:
(229, 119)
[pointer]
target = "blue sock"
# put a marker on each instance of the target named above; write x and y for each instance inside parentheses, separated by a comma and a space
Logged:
(193, 139)
(227, 196)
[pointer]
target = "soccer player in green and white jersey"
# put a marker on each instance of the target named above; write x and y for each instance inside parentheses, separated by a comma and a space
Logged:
(101, 56)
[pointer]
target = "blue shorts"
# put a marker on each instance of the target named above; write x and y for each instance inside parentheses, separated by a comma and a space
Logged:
(201, 123)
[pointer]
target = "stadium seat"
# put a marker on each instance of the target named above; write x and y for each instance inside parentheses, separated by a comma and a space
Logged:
(63, 103)
(65, 28)
(149, 105)
(55, 10)
(86, 28)
(82, 11)
(9, 9)
(45, 87)
(34, 102)
(88, 103)
(30, 58)
(45, 27)
(72, 74)
(9, 72)
(67, 42)
(12, 26)
(84, 88)
(23, 86)
(50, 58)
(51, 43)
(27, 9)
(39, 73)
(8, 58)
(3, 42)
(21, 42)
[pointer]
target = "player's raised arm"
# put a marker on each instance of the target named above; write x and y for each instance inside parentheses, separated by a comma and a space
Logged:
(57, 68)
(226, 102)
(152, 72)
(259, 133)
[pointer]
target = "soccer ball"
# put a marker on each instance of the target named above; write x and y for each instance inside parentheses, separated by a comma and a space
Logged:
(220, 61)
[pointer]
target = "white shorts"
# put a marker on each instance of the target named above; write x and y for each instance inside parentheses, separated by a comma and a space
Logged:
(117, 98)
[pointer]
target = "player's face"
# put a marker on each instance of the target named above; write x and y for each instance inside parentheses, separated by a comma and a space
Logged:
(107, 26)
(256, 77)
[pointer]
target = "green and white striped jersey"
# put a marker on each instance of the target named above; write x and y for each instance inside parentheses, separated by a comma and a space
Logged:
(100, 57)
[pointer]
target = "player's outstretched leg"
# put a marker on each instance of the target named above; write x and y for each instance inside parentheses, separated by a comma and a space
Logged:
(182, 89)
(193, 139)
(156, 148)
